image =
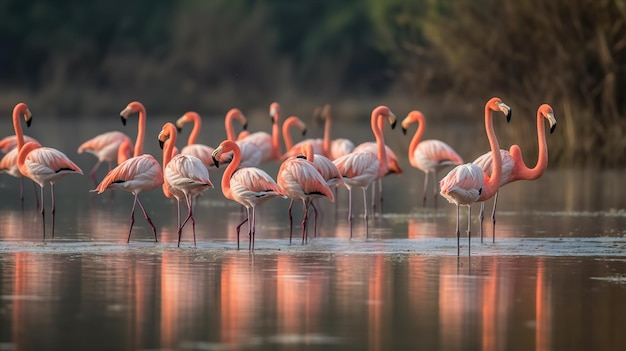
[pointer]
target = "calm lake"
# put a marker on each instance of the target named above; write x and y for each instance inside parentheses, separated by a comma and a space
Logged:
(555, 278)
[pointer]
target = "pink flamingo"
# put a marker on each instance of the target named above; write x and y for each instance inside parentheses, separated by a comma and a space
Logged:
(8, 163)
(105, 147)
(269, 145)
(293, 150)
(331, 148)
(429, 156)
(201, 151)
(300, 180)
(248, 186)
(390, 167)
(140, 173)
(466, 183)
(41, 164)
(513, 166)
(327, 169)
(362, 168)
(185, 176)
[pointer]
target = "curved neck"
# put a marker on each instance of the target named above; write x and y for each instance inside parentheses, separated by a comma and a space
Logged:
(378, 123)
(327, 137)
(228, 123)
(231, 168)
(197, 125)
(122, 152)
(141, 132)
(289, 122)
(22, 154)
(276, 151)
(307, 150)
(17, 126)
(492, 185)
(417, 137)
(542, 158)
(168, 153)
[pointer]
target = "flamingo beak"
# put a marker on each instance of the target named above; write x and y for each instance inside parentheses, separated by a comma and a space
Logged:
(245, 126)
(216, 155)
(123, 120)
(161, 143)
(304, 131)
(179, 129)
(392, 120)
(552, 121)
(29, 121)
(506, 110)
(403, 130)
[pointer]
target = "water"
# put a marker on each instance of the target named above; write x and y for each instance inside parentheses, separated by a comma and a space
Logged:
(555, 278)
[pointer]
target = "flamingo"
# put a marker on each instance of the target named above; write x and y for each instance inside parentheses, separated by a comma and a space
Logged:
(513, 166)
(362, 168)
(300, 180)
(249, 186)
(332, 148)
(41, 164)
(327, 169)
(140, 173)
(8, 163)
(429, 156)
(105, 147)
(201, 151)
(293, 150)
(391, 166)
(185, 176)
(466, 183)
(269, 145)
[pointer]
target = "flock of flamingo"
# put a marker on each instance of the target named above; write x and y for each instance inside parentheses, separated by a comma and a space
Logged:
(309, 170)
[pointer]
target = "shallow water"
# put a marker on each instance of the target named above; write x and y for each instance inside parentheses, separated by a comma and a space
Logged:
(555, 278)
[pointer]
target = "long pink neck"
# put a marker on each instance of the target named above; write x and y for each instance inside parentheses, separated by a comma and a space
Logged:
(327, 138)
(197, 125)
(276, 151)
(523, 172)
(377, 122)
(491, 186)
(228, 124)
(307, 150)
(17, 125)
(141, 132)
(289, 122)
(168, 153)
(230, 169)
(417, 137)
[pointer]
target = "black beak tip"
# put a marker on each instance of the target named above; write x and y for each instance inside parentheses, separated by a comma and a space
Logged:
(179, 129)
(393, 125)
(403, 130)
(245, 126)
(217, 163)
(304, 132)
(161, 143)
(29, 122)
(508, 116)
(552, 128)
(123, 120)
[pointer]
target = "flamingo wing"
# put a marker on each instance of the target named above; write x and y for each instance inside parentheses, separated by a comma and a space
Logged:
(188, 174)
(358, 169)
(300, 178)
(263, 141)
(202, 152)
(485, 162)
(340, 147)
(9, 143)
(45, 164)
(463, 184)
(105, 145)
(134, 175)
(432, 155)
(250, 186)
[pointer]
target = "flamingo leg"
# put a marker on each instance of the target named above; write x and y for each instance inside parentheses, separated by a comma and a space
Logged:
(132, 218)
(314, 219)
(43, 214)
(350, 210)
(22, 192)
(53, 210)
(189, 216)
(380, 194)
(253, 227)
(239, 227)
(469, 226)
(92, 173)
(435, 188)
(493, 217)
(365, 204)
(36, 197)
(425, 189)
(305, 217)
(458, 232)
(145, 214)
(374, 197)
(290, 221)
(481, 216)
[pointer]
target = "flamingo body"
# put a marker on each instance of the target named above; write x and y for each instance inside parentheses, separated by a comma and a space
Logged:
(9, 142)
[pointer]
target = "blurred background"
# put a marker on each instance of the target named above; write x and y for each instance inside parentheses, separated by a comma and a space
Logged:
(88, 59)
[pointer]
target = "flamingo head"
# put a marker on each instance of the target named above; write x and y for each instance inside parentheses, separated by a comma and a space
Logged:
(168, 132)
(131, 108)
(22, 109)
(496, 104)
(274, 112)
(412, 117)
(546, 111)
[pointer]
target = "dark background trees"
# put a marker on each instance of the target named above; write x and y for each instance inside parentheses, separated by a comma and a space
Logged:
(82, 57)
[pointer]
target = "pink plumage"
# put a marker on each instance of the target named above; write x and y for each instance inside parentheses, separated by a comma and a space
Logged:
(105, 147)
